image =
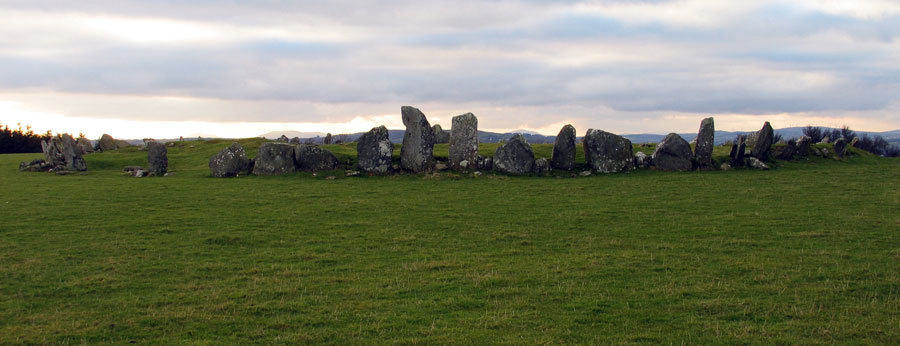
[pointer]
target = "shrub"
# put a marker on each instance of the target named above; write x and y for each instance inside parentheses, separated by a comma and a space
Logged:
(814, 133)
(21, 140)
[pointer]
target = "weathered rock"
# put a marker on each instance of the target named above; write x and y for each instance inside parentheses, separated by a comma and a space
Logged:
(36, 165)
(825, 140)
(642, 160)
(789, 150)
(132, 168)
(463, 140)
(230, 162)
(763, 144)
(607, 153)
(705, 142)
(417, 150)
(803, 145)
(313, 159)
(283, 139)
(374, 151)
(62, 153)
(673, 153)
(725, 166)
(585, 173)
(541, 166)
(274, 159)
(327, 139)
(854, 142)
(107, 143)
(756, 163)
(295, 140)
(157, 159)
(564, 149)
(440, 166)
(738, 149)
(514, 157)
(85, 144)
(440, 136)
(484, 163)
(840, 147)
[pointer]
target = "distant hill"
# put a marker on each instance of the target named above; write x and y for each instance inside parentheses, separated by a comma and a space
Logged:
(291, 134)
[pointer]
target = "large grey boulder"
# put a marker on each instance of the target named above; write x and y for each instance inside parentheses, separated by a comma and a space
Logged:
(607, 153)
(673, 153)
(738, 150)
(157, 159)
(803, 146)
(373, 150)
(514, 157)
(230, 162)
(440, 136)
(706, 139)
(274, 158)
(107, 143)
(417, 151)
(463, 141)
(564, 149)
(313, 159)
(763, 144)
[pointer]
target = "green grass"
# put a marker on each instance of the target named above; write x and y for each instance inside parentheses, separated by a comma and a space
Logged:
(808, 253)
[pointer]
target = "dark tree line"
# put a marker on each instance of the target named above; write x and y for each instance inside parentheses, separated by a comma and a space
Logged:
(21, 140)
(876, 145)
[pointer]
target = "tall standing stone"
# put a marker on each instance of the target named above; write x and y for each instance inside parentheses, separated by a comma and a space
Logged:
(763, 144)
(230, 162)
(157, 159)
(607, 153)
(328, 139)
(274, 159)
(63, 153)
(673, 153)
(85, 144)
(706, 139)
(514, 157)
(464, 141)
(738, 150)
(373, 150)
(564, 149)
(417, 151)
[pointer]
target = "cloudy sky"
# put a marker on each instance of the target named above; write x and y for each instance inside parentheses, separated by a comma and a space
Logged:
(166, 68)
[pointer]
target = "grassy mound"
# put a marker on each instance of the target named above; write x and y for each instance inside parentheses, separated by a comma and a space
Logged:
(806, 253)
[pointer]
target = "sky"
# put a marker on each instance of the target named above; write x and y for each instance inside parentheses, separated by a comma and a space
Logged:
(169, 68)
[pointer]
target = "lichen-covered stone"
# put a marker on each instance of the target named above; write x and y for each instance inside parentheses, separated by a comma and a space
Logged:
(541, 166)
(274, 158)
(463, 140)
(607, 153)
(763, 145)
(107, 143)
(417, 150)
(673, 153)
(564, 149)
(440, 136)
(514, 157)
(230, 162)
(374, 151)
(157, 159)
(706, 138)
(313, 159)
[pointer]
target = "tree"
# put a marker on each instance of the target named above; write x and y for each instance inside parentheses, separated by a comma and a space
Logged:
(814, 133)
(21, 140)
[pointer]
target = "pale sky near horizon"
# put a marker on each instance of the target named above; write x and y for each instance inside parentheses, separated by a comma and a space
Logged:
(169, 68)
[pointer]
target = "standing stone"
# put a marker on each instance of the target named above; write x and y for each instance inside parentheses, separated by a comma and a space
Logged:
(283, 139)
(85, 144)
(295, 140)
(607, 153)
(328, 139)
(764, 141)
(642, 160)
(417, 151)
(72, 153)
(463, 140)
(313, 159)
(484, 163)
(541, 166)
(514, 157)
(840, 147)
(107, 143)
(564, 149)
(854, 142)
(737, 151)
(274, 159)
(440, 136)
(157, 159)
(673, 154)
(803, 145)
(373, 150)
(230, 162)
(705, 142)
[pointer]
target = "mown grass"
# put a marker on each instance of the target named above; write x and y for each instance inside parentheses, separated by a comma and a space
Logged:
(807, 253)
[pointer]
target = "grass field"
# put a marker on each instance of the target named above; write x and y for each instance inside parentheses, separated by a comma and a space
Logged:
(808, 253)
